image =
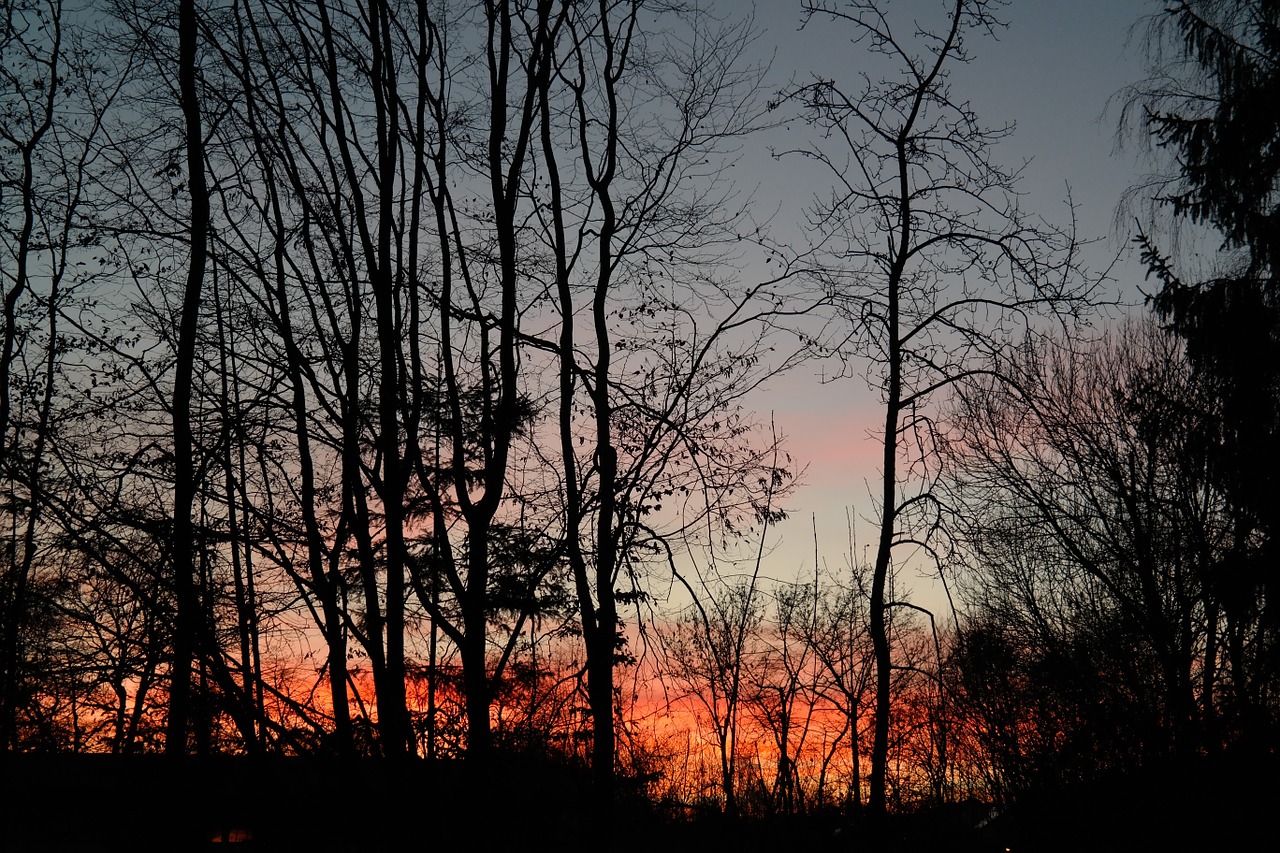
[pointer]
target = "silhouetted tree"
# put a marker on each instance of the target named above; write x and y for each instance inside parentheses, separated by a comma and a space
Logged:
(641, 224)
(186, 617)
(393, 290)
(32, 59)
(54, 97)
(1097, 533)
(931, 261)
(1209, 108)
(841, 645)
(707, 652)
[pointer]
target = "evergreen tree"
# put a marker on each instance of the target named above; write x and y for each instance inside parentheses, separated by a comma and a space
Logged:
(1215, 112)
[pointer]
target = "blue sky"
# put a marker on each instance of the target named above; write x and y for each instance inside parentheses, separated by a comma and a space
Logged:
(1052, 71)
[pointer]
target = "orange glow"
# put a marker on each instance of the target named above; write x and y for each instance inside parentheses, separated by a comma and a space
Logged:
(685, 740)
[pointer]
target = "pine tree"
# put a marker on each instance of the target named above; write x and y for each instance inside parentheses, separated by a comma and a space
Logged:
(1216, 113)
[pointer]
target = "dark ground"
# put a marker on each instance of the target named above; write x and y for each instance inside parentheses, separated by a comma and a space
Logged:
(56, 803)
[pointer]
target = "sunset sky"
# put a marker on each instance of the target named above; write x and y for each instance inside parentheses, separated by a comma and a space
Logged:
(1052, 72)
(394, 400)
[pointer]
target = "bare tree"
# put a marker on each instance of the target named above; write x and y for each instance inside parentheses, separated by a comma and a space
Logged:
(55, 97)
(933, 264)
(184, 474)
(395, 221)
(642, 227)
(396, 275)
(838, 639)
(32, 52)
(1098, 532)
(706, 659)
(783, 688)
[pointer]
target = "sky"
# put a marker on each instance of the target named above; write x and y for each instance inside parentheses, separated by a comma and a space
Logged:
(1053, 72)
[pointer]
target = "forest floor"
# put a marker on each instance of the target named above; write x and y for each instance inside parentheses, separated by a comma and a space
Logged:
(106, 803)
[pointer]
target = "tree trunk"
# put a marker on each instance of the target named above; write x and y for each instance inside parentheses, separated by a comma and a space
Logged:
(878, 612)
(393, 713)
(183, 544)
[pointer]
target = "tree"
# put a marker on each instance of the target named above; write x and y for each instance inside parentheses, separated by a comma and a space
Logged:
(839, 639)
(1097, 535)
(1209, 104)
(1208, 108)
(782, 688)
(932, 263)
(705, 660)
(55, 95)
(33, 56)
(334, 426)
(642, 229)
(184, 474)
(394, 292)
